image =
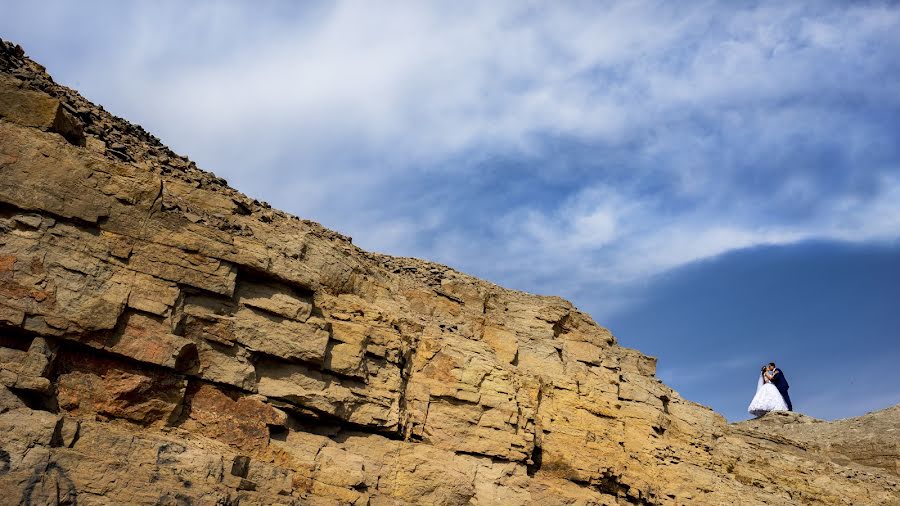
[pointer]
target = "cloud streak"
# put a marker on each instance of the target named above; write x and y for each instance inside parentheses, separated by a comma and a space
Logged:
(557, 148)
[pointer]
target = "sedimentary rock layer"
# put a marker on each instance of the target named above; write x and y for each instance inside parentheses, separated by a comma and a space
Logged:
(165, 339)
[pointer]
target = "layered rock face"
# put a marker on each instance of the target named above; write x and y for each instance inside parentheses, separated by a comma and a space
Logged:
(872, 440)
(165, 339)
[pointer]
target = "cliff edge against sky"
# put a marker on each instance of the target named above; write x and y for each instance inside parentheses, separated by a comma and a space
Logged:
(165, 339)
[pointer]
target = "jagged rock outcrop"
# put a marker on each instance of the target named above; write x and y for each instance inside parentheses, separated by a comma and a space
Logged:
(165, 339)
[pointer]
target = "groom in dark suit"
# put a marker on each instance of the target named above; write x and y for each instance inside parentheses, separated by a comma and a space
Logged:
(777, 378)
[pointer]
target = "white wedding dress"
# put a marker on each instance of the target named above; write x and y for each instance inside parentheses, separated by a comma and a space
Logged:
(767, 398)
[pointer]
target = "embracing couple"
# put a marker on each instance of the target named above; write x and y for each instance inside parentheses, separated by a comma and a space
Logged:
(771, 392)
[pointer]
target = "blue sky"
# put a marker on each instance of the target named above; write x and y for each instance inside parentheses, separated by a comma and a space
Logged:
(717, 182)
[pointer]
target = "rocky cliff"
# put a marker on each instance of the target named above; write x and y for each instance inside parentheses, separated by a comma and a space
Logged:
(165, 339)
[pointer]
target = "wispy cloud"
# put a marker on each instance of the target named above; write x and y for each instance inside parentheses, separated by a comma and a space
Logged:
(558, 148)
(706, 371)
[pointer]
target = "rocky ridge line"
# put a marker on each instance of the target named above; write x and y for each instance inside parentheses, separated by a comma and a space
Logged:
(165, 339)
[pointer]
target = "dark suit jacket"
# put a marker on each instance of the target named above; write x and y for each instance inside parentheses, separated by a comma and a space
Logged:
(780, 381)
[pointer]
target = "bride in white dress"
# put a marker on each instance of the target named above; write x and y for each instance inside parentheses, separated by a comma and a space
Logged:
(767, 397)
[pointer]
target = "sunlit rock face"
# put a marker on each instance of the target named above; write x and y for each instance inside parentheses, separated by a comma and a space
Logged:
(165, 339)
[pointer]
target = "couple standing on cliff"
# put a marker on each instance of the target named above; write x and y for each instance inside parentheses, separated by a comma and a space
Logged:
(771, 392)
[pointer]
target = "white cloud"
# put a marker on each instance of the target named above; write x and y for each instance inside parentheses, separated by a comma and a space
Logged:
(357, 114)
(646, 242)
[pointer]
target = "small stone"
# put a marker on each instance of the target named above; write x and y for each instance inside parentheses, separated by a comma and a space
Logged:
(192, 217)
(246, 485)
(240, 466)
(29, 220)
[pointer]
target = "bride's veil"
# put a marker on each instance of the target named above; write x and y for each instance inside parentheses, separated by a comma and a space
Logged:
(759, 382)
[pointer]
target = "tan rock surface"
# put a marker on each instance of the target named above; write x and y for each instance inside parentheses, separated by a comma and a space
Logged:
(165, 339)
(871, 440)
